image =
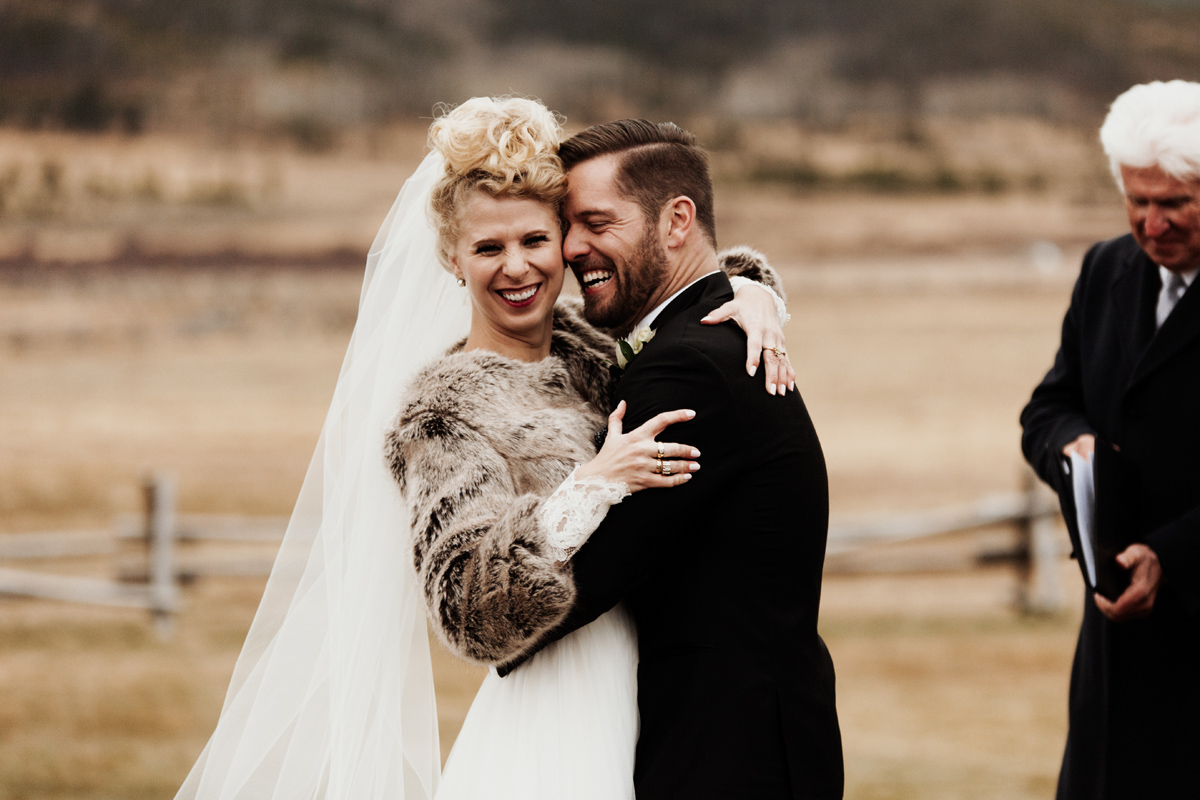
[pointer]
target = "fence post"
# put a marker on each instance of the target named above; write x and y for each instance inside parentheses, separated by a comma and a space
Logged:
(1049, 596)
(1042, 591)
(1023, 561)
(160, 540)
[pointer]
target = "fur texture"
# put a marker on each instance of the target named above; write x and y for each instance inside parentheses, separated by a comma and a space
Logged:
(479, 442)
(749, 263)
(481, 439)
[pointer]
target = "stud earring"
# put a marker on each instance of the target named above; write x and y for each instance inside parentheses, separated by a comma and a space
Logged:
(462, 282)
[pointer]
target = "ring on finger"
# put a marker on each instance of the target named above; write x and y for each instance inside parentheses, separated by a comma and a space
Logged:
(662, 451)
(666, 468)
(658, 466)
(778, 351)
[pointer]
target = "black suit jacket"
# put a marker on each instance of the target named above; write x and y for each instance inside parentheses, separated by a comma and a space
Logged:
(1135, 686)
(722, 576)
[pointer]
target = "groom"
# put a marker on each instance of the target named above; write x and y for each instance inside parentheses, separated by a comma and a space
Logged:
(723, 574)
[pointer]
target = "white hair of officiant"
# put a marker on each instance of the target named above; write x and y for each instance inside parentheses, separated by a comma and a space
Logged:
(1155, 124)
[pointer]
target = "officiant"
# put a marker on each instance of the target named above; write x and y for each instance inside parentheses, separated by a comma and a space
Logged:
(1127, 376)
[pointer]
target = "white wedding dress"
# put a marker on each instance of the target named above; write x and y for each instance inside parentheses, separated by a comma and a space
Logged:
(564, 725)
(332, 695)
(561, 727)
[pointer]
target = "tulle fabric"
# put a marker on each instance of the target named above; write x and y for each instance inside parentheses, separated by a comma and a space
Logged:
(332, 696)
(561, 727)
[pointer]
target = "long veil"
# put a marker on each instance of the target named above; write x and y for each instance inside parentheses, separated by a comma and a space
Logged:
(332, 695)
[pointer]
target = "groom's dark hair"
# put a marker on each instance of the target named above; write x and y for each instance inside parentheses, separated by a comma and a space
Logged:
(659, 161)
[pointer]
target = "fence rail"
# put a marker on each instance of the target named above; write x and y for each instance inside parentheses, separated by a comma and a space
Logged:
(849, 534)
(67, 544)
(209, 528)
(149, 569)
(158, 593)
(1033, 513)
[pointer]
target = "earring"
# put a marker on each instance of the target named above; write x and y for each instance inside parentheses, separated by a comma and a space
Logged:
(462, 282)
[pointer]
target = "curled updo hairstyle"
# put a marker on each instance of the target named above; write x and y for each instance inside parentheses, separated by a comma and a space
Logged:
(505, 147)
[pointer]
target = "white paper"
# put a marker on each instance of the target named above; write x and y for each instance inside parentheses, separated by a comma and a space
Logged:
(1084, 486)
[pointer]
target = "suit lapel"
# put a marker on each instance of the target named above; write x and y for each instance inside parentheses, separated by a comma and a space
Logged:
(1179, 329)
(714, 288)
(694, 294)
(1134, 296)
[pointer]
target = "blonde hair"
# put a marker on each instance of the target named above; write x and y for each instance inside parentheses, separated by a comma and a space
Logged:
(505, 147)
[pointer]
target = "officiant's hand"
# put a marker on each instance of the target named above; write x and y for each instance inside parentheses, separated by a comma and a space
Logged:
(1084, 445)
(1138, 600)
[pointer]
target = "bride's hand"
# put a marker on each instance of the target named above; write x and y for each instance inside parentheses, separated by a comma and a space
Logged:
(631, 458)
(754, 312)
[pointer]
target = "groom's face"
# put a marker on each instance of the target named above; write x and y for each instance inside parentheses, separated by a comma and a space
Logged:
(613, 250)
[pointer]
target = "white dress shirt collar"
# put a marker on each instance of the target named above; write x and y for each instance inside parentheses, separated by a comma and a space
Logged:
(648, 320)
(1188, 275)
(1174, 284)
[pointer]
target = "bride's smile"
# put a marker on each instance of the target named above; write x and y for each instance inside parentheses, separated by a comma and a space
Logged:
(520, 298)
(509, 253)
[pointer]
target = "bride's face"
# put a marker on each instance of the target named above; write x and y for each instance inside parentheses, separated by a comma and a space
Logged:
(510, 254)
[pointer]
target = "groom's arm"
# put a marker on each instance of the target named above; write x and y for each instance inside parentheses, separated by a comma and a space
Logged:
(637, 536)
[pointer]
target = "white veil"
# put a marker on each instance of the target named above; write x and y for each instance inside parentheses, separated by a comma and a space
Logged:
(332, 695)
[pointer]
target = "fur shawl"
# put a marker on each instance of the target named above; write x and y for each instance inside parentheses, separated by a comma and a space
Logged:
(480, 441)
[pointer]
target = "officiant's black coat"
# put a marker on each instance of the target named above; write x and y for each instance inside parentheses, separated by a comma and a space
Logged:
(1135, 686)
(722, 576)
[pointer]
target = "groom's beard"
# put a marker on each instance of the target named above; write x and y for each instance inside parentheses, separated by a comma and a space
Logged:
(637, 282)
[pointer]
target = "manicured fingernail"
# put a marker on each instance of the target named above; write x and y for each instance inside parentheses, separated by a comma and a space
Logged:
(687, 477)
(695, 453)
(690, 413)
(782, 390)
(792, 386)
(771, 388)
(693, 467)
(753, 370)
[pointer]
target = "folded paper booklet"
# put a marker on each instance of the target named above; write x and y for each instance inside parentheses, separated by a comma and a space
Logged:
(1100, 508)
(1083, 487)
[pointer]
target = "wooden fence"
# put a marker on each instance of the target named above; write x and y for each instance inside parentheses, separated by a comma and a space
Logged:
(148, 571)
(1032, 513)
(145, 550)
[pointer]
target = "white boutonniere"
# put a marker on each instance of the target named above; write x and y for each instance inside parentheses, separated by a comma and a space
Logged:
(632, 344)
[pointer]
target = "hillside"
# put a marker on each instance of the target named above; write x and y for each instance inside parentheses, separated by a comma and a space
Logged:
(313, 66)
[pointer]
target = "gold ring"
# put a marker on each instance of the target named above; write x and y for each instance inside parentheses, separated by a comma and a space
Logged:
(778, 351)
(658, 466)
(661, 451)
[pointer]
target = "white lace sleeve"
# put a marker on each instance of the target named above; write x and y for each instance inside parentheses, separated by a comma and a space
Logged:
(575, 510)
(737, 282)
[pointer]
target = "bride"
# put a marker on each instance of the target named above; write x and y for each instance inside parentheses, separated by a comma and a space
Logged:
(489, 482)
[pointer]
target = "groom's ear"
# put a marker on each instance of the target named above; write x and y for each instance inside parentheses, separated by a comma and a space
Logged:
(676, 221)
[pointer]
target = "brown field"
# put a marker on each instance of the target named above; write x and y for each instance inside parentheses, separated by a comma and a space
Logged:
(919, 327)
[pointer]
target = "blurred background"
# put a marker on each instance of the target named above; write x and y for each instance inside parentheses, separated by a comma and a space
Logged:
(187, 193)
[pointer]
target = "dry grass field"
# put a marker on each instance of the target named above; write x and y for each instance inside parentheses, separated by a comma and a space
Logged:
(919, 327)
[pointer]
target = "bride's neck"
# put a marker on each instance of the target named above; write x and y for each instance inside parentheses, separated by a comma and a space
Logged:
(522, 346)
